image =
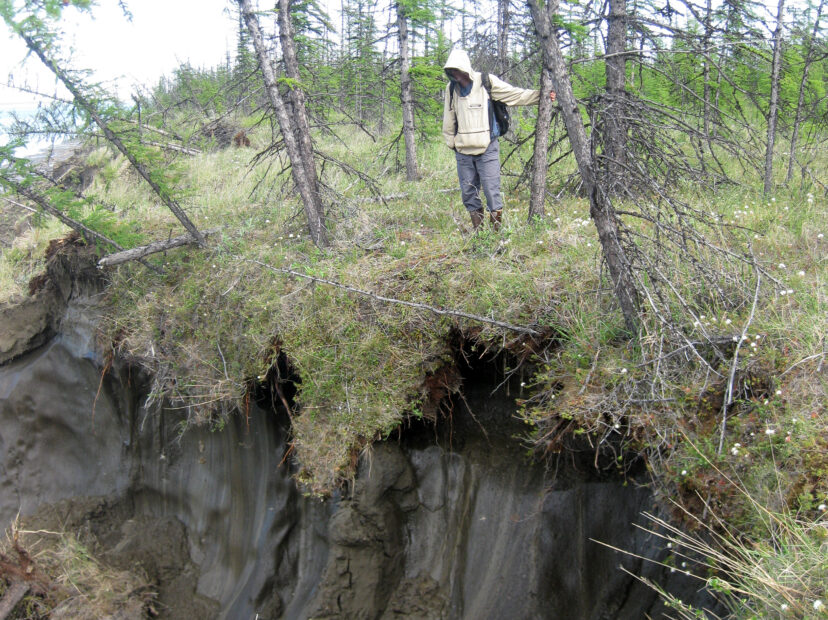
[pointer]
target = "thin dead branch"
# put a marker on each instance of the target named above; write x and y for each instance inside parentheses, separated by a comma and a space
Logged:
(391, 300)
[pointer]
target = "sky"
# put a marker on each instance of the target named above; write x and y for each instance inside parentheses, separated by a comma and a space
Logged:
(162, 35)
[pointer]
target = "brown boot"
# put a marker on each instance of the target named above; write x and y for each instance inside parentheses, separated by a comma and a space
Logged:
(476, 218)
(496, 217)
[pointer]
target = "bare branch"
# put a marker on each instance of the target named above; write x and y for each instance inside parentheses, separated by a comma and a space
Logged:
(391, 300)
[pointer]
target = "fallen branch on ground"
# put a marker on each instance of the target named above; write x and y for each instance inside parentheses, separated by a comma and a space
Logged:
(86, 232)
(17, 590)
(172, 147)
(151, 248)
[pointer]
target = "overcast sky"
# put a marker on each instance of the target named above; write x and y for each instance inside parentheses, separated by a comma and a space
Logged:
(163, 34)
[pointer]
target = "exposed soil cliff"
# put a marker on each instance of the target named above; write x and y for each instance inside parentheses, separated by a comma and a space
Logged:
(442, 521)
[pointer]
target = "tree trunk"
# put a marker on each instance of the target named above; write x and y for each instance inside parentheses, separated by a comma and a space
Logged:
(503, 19)
(297, 99)
(310, 198)
(14, 594)
(411, 172)
(601, 211)
(773, 107)
(809, 56)
(539, 159)
(381, 122)
(708, 33)
(616, 75)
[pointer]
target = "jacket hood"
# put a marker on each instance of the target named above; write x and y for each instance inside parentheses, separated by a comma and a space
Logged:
(459, 59)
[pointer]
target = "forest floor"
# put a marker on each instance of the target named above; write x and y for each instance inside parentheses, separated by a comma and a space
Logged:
(323, 329)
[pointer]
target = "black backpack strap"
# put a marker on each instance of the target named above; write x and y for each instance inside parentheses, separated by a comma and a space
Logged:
(452, 84)
(487, 83)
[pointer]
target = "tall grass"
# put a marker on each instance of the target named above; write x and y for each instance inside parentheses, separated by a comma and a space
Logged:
(778, 572)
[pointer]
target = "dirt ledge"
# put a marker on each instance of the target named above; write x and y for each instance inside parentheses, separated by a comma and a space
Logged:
(30, 322)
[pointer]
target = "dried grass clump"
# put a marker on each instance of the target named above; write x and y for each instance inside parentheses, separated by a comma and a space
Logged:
(64, 580)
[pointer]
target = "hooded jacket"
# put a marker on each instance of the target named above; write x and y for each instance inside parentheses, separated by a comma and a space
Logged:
(466, 122)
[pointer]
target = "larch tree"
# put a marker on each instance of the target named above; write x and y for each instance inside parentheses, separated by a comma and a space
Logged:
(537, 183)
(298, 146)
(810, 53)
(296, 95)
(601, 210)
(614, 111)
(504, 14)
(406, 93)
(39, 38)
(773, 105)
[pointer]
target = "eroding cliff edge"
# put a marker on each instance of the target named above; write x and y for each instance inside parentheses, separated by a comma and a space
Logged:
(445, 521)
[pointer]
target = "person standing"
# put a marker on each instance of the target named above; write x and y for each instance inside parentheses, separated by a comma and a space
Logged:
(471, 130)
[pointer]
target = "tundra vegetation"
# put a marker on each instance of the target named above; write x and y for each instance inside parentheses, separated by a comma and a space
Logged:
(659, 284)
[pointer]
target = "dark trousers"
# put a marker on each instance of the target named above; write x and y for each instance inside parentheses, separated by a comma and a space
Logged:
(483, 170)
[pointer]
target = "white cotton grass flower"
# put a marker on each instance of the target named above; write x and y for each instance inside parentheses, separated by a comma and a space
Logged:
(784, 607)
(818, 605)
(683, 472)
(770, 431)
(822, 507)
(782, 266)
(820, 236)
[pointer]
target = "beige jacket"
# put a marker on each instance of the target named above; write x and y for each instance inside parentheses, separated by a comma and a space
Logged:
(466, 123)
